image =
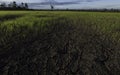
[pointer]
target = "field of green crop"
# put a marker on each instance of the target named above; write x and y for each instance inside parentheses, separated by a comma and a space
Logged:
(59, 43)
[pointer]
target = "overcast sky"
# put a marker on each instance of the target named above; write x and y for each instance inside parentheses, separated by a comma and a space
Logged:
(71, 4)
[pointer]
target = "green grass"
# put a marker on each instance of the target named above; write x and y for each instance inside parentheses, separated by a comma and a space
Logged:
(59, 43)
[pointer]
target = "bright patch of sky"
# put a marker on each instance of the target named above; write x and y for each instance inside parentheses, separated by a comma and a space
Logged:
(81, 4)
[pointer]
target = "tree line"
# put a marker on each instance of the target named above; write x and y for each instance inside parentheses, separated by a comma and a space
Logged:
(90, 10)
(13, 6)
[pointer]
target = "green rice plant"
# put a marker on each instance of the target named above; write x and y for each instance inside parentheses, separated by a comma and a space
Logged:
(59, 43)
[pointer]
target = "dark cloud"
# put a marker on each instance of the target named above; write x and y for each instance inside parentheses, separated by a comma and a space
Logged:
(54, 3)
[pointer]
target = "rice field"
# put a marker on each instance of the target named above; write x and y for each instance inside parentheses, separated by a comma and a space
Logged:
(59, 43)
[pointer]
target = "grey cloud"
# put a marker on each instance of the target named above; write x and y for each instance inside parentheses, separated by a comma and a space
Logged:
(55, 2)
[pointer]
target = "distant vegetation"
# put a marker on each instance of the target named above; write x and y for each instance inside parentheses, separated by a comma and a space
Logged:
(96, 10)
(13, 6)
(59, 43)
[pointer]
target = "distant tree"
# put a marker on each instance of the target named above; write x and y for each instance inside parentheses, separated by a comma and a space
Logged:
(14, 4)
(3, 5)
(22, 5)
(26, 6)
(10, 5)
(52, 7)
(67, 8)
